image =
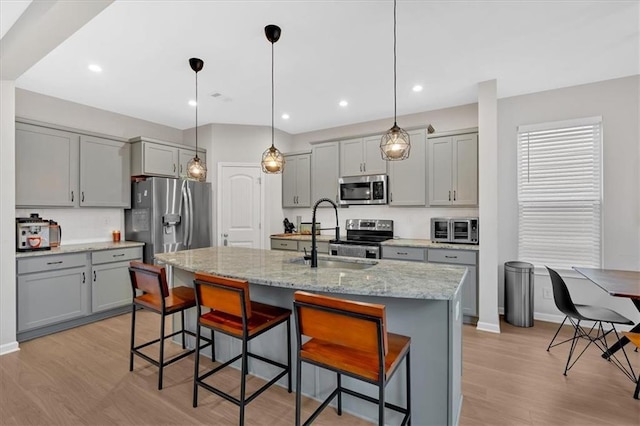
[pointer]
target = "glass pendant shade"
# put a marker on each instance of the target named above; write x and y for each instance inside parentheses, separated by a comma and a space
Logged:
(395, 144)
(196, 169)
(272, 161)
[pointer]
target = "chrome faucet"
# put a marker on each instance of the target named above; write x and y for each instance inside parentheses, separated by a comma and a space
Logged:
(314, 249)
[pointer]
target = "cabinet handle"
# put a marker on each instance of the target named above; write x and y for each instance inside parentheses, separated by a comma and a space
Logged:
(402, 253)
(454, 195)
(72, 196)
(94, 276)
(118, 255)
(360, 166)
(174, 167)
(449, 195)
(82, 198)
(390, 196)
(55, 263)
(364, 167)
(84, 278)
(451, 257)
(180, 168)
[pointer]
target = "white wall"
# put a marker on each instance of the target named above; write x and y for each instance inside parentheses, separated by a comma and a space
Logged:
(617, 101)
(8, 341)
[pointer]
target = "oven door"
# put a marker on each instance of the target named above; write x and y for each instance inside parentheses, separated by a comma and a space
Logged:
(461, 231)
(440, 230)
(354, 250)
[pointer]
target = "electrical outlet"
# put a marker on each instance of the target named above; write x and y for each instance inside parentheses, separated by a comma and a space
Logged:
(547, 293)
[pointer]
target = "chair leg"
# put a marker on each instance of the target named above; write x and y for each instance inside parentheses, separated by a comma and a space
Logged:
(243, 380)
(573, 346)
(298, 387)
(213, 347)
(133, 332)
(557, 332)
(161, 367)
(635, 394)
(407, 361)
(196, 367)
(184, 343)
(381, 386)
(288, 355)
(339, 383)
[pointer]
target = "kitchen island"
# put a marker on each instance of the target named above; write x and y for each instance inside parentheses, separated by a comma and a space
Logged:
(422, 300)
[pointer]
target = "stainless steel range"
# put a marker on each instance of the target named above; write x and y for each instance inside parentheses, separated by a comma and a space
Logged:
(363, 238)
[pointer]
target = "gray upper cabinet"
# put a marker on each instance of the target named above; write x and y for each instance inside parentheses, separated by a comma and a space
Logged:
(46, 167)
(361, 156)
(325, 170)
(296, 181)
(104, 173)
(407, 178)
(453, 170)
(150, 157)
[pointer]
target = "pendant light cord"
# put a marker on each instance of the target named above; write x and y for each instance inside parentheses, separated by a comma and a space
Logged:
(196, 114)
(272, 96)
(395, 108)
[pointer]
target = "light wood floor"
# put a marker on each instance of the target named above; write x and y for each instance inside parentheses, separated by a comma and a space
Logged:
(81, 376)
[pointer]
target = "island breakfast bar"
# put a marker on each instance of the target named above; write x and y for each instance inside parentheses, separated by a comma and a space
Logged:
(422, 301)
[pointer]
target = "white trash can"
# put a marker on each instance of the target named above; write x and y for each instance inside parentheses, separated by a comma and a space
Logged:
(518, 293)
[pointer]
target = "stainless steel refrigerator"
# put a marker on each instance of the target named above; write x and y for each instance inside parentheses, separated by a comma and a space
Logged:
(169, 215)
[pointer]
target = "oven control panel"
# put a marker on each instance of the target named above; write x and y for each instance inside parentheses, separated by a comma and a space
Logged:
(369, 225)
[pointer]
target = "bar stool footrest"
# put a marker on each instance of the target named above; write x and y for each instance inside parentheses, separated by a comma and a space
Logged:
(136, 349)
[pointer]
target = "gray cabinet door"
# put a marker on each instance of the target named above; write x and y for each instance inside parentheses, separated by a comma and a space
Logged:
(46, 167)
(372, 156)
(440, 171)
(110, 286)
(104, 173)
(160, 160)
(296, 181)
(465, 169)
(407, 178)
(470, 293)
(325, 171)
(49, 297)
(351, 163)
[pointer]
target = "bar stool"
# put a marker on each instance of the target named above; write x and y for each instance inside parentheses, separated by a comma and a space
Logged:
(349, 338)
(233, 313)
(156, 297)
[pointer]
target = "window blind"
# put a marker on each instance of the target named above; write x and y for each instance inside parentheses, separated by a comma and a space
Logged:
(560, 193)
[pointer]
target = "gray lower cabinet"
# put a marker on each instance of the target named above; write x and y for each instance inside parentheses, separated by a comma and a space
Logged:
(110, 282)
(52, 289)
(296, 245)
(57, 292)
(468, 258)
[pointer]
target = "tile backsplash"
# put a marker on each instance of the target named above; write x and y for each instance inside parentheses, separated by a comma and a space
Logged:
(82, 225)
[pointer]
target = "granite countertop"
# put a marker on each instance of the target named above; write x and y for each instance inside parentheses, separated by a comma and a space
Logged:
(78, 248)
(409, 242)
(388, 278)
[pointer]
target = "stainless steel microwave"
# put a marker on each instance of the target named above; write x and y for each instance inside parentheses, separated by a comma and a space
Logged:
(371, 189)
(455, 230)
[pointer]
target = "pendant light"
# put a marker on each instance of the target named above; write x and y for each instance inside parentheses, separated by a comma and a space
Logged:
(196, 169)
(272, 158)
(395, 144)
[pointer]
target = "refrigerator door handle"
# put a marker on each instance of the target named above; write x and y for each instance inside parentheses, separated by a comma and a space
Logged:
(186, 216)
(190, 197)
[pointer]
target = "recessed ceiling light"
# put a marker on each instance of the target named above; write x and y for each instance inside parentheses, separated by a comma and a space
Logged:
(285, 116)
(192, 103)
(417, 88)
(343, 103)
(95, 68)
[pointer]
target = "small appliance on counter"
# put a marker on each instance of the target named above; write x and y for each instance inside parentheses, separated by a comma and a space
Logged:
(463, 230)
(32, 233)
(55, 233)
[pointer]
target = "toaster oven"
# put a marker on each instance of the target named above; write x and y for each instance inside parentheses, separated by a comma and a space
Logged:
(455, 230)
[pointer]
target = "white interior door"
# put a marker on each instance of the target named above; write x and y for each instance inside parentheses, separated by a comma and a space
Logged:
(240, 205)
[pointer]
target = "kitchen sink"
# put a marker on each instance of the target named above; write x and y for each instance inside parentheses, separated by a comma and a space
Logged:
(337, 263)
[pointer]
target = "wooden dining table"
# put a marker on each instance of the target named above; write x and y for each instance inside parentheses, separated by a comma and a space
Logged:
(619, 284)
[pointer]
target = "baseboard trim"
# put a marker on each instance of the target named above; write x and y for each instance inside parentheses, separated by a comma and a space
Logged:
(7, 348)
(487, 326)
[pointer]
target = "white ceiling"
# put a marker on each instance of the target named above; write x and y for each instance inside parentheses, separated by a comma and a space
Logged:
(331, 50)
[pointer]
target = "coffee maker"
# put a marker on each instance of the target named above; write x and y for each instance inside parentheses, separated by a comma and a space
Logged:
(32, 233)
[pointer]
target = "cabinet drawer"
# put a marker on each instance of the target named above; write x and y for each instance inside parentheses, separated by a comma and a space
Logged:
(452, 256)
(116, 255)
(51, 263)
(284, 245)
(404, 253)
